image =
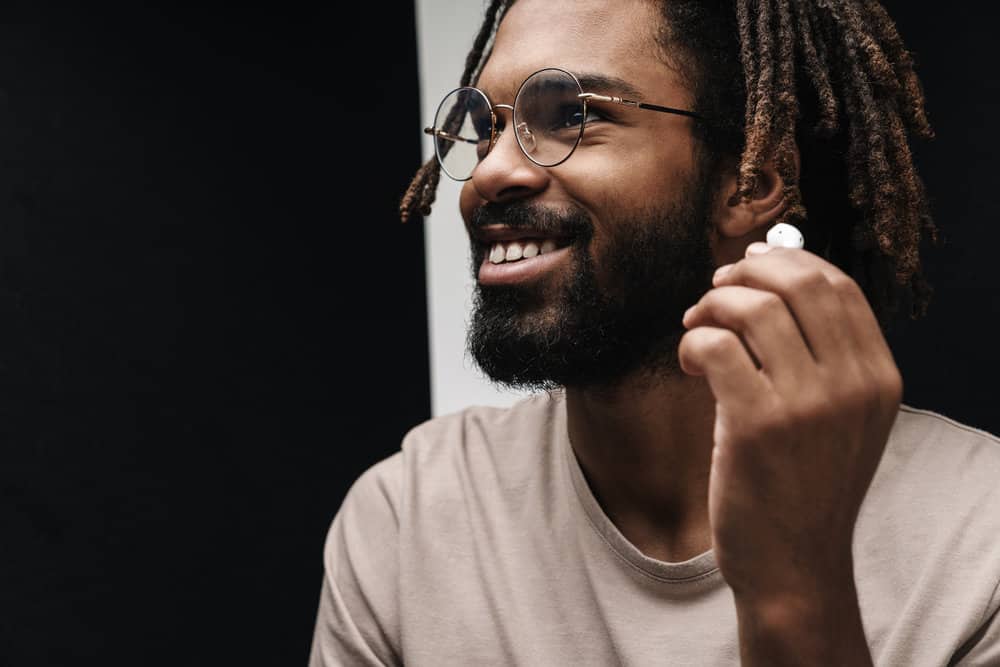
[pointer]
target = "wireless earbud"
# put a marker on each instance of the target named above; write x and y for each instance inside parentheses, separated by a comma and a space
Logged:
(783, 235)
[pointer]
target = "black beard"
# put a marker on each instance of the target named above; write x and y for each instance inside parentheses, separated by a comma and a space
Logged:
(656, 265)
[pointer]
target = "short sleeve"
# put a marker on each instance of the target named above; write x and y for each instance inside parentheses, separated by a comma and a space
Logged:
(358, 618)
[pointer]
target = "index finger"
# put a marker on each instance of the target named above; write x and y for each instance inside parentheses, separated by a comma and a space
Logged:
(829, 306)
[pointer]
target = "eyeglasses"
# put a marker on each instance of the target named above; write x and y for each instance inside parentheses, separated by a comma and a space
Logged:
(549, 115)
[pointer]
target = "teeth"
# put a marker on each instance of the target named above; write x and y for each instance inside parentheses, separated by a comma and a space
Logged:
(512, 251)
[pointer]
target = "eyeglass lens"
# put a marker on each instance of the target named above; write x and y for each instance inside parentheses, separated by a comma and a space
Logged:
(463, 128)
(548, 118)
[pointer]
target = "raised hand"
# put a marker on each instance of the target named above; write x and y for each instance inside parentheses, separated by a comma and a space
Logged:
(806, 393)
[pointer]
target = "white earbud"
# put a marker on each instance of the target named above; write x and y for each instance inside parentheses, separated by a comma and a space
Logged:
(783, 235)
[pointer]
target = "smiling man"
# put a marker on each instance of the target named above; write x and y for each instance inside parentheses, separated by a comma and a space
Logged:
(717, 469)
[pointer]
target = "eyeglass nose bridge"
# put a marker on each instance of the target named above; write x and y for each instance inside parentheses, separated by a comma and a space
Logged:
(525, 138)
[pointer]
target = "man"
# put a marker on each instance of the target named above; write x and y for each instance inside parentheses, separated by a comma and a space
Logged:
(719, 470)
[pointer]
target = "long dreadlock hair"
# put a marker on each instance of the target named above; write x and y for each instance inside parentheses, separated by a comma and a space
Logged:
(829, 78)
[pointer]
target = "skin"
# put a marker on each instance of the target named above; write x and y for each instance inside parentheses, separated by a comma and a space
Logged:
(765, 446)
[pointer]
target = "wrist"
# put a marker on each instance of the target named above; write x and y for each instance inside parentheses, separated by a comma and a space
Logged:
(785, 614)
(818, 627)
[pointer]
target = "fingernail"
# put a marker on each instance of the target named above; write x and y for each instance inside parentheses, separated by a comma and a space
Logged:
(686, 313)
(722, 271)
(758, 248)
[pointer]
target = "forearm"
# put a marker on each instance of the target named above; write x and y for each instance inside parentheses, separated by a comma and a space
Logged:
(820, 629)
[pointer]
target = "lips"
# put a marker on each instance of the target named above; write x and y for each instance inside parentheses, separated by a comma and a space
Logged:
(520, 259)
(516, 243)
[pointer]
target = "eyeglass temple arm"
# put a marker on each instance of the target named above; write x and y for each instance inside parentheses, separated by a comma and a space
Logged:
(639, 105)
(450, 137)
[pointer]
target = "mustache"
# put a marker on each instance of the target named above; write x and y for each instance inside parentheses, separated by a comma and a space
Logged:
(573, 221)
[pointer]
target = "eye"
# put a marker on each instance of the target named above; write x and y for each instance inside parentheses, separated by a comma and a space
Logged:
(569, 116)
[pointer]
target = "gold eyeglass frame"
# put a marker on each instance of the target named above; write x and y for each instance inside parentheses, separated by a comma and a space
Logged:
(495, 135)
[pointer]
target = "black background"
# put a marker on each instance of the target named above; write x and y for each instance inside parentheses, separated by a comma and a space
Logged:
(211, 320)
(950, 359)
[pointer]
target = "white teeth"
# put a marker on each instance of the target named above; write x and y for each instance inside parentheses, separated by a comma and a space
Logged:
(514, 251)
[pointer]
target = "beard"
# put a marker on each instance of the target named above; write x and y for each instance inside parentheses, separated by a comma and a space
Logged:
(596, 327)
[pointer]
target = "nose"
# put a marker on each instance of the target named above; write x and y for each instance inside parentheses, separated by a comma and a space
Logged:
(506, 173)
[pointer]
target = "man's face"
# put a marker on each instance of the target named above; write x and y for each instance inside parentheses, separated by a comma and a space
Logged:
(628, 213)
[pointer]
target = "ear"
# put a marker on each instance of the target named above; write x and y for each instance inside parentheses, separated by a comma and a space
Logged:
(735, 218)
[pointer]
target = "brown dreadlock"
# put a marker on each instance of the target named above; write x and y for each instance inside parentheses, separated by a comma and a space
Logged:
(423, 188)
(829, 78)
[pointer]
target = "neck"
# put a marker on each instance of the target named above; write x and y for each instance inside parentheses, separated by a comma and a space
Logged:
(645, 449)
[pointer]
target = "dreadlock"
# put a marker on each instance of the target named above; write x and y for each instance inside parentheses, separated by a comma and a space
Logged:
(830, 79)
(423, 188)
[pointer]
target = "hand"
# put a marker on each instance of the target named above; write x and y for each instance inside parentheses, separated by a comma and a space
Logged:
(806, 393)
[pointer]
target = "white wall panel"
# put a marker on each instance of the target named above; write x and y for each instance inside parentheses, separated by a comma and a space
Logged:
(445, 31)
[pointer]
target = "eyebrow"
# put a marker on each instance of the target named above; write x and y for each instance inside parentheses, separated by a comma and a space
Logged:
(593, 82)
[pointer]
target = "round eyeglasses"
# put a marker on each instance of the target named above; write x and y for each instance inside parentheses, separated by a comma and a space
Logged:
(548, 115)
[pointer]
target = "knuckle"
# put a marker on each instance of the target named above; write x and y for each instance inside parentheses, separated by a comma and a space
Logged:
(736, 270)
(846, 286)
(812, 406)
(718, 342)
(894, 386)
(855, 386)
(709, 299)
(768, 303)
(860, 400)
(808, 281)
(864, 387)
(738, 307)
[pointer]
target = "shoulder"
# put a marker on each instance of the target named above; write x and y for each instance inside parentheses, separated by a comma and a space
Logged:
(911, 417)
(935, 494)
(932, 462)
(939, 450)
(358, 618)
(443, 456)
(927, 560)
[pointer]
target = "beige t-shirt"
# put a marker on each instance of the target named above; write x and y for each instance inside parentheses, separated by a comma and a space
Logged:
(480, 543)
